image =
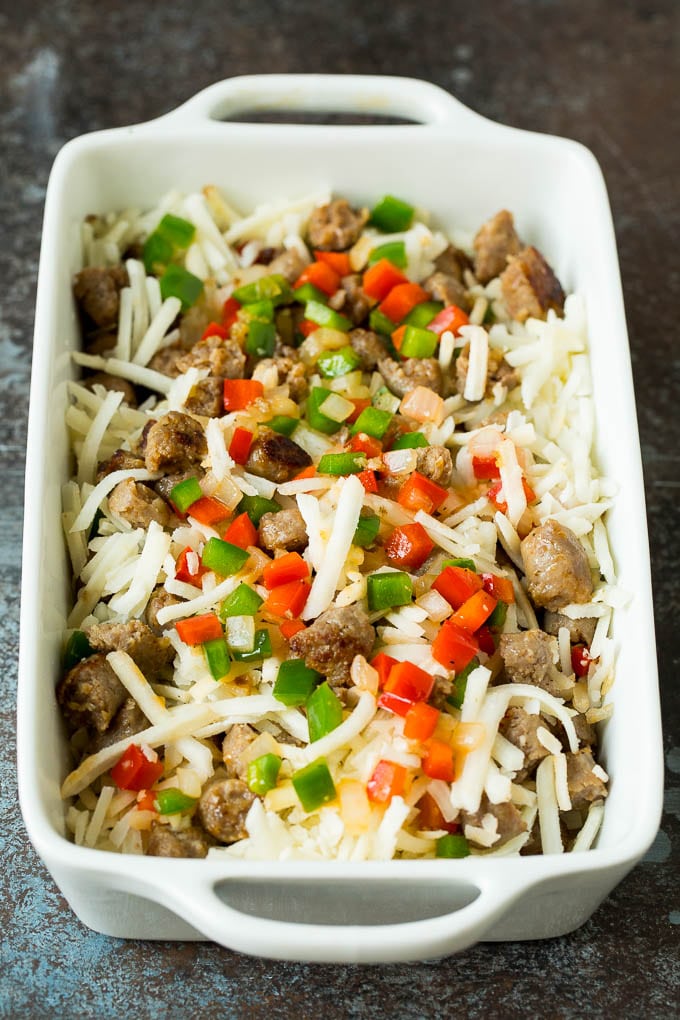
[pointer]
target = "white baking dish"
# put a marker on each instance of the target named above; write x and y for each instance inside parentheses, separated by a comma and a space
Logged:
(463, 168)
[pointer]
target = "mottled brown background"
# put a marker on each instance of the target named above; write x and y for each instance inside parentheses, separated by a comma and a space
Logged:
(601, 71)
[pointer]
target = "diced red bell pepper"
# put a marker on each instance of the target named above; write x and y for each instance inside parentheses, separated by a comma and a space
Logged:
(408, 546)
(337, 260)
(287, 599)
(454, 647)
(419, 493)
(368, 480)
(208, 510)
(500, 504)
(215, 329)
(380, 278)
(146, 801)
(320, 275)
(284, 569)
(182, 571)
(360, 404)
(402, 299)
(240, 444)
(388, 781)
(485, 640)
(362, 443)
(230, 310)
(500, 587)
(430, 817)
(475, 611)
(452, 318)
(308, 472)
(383, 664)
(241, 532)
(196, 630)
(240, 393)
(485, 467)
(290, 627)
(457, 585)
(398, 336)
(393, 703)
(306, 326)
(421, 721)
(438, 762)
(409, 681)
(134, 771)
(580, 660)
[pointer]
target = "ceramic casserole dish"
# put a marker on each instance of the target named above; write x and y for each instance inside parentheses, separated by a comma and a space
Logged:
(463, 168)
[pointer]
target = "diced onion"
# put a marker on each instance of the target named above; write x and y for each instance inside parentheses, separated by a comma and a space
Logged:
(336, 407)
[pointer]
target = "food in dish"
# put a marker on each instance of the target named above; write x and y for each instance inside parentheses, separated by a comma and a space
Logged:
(343, 583)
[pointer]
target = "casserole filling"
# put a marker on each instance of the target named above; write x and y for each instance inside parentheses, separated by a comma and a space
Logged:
(342, 585)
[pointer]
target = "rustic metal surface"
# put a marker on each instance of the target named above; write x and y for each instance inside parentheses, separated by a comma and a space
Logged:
(604, 72)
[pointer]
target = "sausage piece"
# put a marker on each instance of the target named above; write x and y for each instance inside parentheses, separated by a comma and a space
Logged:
(447, 288)
(128, 720)
(223, 807)
(335, 226)
(412, 372)
(159, 599)
(581, 630)
(276, 457)
(120, 460)
(223, 356)
(509, 821)
(530, 287)
(164, 842)
(368, 346)
(520, 728)
(498, 371)
(207, 398)
(174, 443)
(494, 242)
(284, 529)
(90, 694)
(97, 291)
(138, 504)
(149, 652)
(235, 749)
(556, 566)
(584, 786)
(529, 658)
(331, 642)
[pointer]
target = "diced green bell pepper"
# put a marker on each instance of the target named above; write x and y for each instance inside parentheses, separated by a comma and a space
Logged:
(157, 252)
(385, 400)
(418, 343)
(295, 682)
(172, 801)
(243, 602)
(263, 310)
(178, 282)
(341, 463)
(261, 338)
(171, 234)
(274, 288)
(373, 422)
(282, 424)
(380, 323)
(388, 589)
(460, 561)
(322, 315)
(77, 649)
(223, 557)
(185, 493)
(261, 649)
(335, 363)
(316, 418)
(324, 712)
(452, 845)
(457, 695)
(217, 656)
(308, 292)
(263, 773)
(423, 314)
(393, 251)
(366, 530)
(497, 618)
(314, 785)
(256, 507)
(410, 441)
(392, 215)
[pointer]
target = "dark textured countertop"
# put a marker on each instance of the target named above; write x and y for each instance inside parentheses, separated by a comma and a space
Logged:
(604, 72)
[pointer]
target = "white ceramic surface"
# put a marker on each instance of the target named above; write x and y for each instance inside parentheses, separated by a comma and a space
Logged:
(463, 168)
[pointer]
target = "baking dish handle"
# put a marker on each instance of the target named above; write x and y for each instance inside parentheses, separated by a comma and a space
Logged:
(408, 98)
(203, 903)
